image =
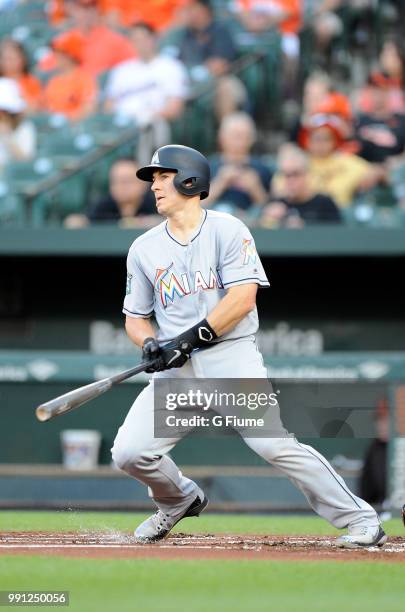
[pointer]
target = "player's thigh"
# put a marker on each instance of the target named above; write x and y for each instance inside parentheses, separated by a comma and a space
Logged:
(231, 359)
(136, 435)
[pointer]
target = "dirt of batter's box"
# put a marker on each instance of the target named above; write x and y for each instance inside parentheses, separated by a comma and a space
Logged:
(121, 545)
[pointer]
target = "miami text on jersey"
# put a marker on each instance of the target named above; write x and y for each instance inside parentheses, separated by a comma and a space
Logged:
(168, 284)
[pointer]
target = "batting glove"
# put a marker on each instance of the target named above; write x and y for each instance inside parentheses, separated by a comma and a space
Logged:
(151, 352)
(174, 354)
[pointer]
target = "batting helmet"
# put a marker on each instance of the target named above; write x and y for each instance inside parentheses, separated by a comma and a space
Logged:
(190, 167)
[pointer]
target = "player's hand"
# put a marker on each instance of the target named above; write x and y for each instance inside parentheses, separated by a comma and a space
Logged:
(150, 352)
(175, 354)
(172, 355)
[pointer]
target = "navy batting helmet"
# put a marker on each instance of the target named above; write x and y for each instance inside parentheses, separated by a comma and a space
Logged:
(191, 167)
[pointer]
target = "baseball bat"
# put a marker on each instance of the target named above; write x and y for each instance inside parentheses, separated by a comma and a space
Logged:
(73, 399)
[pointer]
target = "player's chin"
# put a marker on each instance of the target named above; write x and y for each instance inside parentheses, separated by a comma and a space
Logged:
(160, 207)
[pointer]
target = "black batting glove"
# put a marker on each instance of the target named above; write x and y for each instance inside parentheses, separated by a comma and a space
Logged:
(151, 352)
(174, 354)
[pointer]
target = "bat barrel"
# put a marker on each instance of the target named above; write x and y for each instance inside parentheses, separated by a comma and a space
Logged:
(73, 399)
(77, 397)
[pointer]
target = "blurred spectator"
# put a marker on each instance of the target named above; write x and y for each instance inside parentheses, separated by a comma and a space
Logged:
(337, 106)
(17, 135)
(129, 201)
(206, 47)
(14, 65)
(323, 21)
(301, 205)
(392, 64)
(102, 47)
(320, 97)
(380, 132)
(72, 92)
(259, 16)
(373, 479)
(151, 87)
(56, 11)
(238, 178)
(339, 174)
(317, 88)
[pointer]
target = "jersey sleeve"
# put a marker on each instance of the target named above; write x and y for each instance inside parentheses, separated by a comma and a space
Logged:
(240, 263)
(139, 295)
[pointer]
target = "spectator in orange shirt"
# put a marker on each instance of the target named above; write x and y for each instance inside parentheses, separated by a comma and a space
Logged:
(103, 48)
(159, 14)
(14, 65)
(73, 91)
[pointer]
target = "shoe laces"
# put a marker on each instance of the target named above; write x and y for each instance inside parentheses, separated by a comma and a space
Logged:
(160, 519)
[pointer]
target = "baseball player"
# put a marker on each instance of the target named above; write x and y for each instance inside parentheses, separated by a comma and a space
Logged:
(198, 274)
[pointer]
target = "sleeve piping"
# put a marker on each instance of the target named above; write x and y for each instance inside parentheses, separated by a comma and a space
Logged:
(264, 283)
(138, 314)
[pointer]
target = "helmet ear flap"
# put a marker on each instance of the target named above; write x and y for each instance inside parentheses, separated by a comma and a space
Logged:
(189, 183)
(182, 187)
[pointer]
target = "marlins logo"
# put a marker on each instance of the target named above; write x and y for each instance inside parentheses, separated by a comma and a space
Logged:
(155, 158)
(249, 251)
(168, 284)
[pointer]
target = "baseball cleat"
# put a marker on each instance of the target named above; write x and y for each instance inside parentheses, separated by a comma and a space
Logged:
(359, 537)
(158, 526)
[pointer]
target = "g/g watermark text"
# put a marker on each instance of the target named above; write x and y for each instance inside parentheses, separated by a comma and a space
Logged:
(207, 400)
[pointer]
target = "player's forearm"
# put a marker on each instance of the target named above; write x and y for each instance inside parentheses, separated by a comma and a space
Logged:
(139, 329)
(234, 307)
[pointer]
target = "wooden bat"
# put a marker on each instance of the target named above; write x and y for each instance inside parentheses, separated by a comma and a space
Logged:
(77, 397)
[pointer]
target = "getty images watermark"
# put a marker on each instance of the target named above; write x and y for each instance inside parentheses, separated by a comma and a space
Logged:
(258, 408)
(216, 399)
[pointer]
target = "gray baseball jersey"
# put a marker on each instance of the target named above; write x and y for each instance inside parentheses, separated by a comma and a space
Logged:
(182, 283)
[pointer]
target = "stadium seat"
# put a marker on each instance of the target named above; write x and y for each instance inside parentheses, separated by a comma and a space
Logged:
(12, 210)
(22, 176)
(105, 128)
(48, 122)
(65, 147)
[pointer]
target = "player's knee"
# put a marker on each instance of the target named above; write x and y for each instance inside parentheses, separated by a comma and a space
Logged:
(271, 449)
(125, 457)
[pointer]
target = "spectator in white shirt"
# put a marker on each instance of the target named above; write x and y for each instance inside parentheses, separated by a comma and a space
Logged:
(17, 135)
(151, 88)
